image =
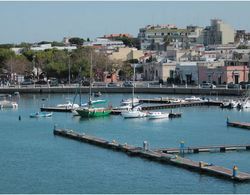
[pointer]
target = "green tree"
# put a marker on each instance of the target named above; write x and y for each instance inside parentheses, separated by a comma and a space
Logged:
(76, 41)
(167, 40)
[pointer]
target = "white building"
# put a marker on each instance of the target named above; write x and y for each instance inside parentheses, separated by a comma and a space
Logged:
(187, 72)
(106, 43)
(43, 47)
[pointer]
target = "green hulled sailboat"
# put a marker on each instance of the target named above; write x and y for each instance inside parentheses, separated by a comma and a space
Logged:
(91, 111)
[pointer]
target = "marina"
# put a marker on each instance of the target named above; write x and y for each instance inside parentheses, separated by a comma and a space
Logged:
(209, 155)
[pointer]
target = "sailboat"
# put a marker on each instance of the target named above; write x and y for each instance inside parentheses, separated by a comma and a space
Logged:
(135, 111)
(89, 110)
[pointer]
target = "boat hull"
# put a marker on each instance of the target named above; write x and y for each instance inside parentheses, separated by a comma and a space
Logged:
(133, 114)
(89, 113)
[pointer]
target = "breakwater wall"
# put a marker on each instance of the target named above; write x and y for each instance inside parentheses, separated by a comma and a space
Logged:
(152, 90)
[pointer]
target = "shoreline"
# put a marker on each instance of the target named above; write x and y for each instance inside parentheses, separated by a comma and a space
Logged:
(151, 90)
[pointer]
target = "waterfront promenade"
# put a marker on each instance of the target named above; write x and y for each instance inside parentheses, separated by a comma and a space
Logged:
(157, 89)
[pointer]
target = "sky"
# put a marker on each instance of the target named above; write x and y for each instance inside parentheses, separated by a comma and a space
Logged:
(35, 21)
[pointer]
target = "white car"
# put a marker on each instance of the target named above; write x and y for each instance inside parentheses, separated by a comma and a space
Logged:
(208, 85)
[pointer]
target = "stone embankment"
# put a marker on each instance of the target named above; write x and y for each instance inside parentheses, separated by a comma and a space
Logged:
(153, 90)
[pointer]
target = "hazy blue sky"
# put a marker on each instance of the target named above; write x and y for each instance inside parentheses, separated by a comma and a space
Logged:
(37, 21)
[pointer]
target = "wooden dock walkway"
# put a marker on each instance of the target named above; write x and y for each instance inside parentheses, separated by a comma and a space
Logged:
(212, 149)
(156, 155)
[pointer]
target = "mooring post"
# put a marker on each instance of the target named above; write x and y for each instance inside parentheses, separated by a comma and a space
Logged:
(227, 120)
(145, 145)
(55, 125)
(235, 171)
(182, 145)
(19, 118)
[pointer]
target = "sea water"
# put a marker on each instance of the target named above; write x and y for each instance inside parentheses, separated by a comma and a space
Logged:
(33, 160)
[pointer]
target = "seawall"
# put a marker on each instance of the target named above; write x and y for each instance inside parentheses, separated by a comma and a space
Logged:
(152, 90)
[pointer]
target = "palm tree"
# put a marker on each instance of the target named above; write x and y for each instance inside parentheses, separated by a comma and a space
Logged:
(167, 40)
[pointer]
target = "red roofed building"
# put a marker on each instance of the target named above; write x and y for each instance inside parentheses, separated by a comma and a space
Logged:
(110, 36)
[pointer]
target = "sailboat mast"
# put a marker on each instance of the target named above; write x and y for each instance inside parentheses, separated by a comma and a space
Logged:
(80, 92)
(90, 80)
(133, 90)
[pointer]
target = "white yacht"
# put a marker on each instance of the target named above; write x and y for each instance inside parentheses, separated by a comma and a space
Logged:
(68, 104)
(133, 113)
(193, 99)
(130, 101)
(157, 115)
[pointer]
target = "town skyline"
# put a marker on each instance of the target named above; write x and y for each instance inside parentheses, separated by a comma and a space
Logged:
(51, 21)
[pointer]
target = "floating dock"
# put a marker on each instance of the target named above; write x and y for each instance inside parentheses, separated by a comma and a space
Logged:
(157, 155)
(162, 105)
(55, 109)
(243, 125)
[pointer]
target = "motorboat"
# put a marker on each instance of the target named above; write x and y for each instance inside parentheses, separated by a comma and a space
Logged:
(123, 106)
(133, 113)
(131, 101)
(41, 114)
(193, 99)
(244, 104)
(8, 104)
(157, 115)
(68, 104)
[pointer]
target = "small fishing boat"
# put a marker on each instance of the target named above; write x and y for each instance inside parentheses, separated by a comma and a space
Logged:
(41, 114)
(157, 115)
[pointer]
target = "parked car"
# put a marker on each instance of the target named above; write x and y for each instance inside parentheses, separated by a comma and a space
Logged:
(85, 83)
(53, 82)
(233, 86)
(208, 85)
(245, 85)
(27, 82)
(41, 82)
(127, 84)
(113, 84)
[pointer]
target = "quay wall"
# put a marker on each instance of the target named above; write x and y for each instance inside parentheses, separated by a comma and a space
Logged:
(152, 90)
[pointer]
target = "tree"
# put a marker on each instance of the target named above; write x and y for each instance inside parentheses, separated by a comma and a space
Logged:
(5, 56)
(167, 40)
(76, 41)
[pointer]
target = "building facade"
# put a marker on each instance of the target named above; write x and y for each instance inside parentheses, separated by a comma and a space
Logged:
(218, 33)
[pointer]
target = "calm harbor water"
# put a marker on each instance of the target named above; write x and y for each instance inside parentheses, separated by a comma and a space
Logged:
(33, 160)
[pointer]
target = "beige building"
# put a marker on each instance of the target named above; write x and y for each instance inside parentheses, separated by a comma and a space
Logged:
(155, 71)
(218, 33)
(126, 53)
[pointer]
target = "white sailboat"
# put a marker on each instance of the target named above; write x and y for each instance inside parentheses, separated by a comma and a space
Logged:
(135, 111)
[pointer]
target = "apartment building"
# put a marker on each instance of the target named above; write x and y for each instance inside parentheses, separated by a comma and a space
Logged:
(160, 36)
(218, 33)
